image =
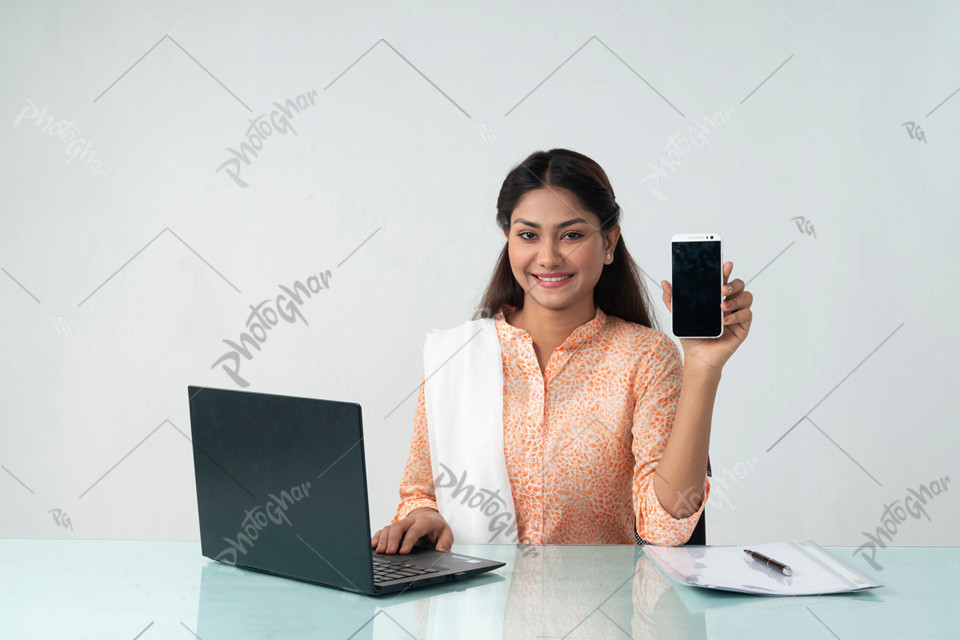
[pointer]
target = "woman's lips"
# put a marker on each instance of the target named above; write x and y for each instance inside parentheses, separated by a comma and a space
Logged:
(553, 283)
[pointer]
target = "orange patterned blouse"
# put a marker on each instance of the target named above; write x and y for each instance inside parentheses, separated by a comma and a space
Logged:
(582, 438)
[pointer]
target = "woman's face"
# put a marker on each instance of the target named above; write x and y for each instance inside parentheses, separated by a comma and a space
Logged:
(552, 236)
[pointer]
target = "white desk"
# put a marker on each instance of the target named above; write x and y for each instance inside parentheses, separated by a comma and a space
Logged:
(126, 590)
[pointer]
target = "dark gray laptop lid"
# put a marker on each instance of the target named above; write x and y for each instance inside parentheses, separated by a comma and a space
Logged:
(281, 485)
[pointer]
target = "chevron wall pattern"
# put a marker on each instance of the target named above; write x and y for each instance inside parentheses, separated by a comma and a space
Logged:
(286, 197)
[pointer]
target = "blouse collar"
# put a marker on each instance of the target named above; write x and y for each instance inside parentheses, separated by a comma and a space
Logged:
(577, 337)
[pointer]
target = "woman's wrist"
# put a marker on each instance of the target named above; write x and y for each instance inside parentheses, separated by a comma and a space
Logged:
(694, 368)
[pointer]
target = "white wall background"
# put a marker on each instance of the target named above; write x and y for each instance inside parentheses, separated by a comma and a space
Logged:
(124, 271)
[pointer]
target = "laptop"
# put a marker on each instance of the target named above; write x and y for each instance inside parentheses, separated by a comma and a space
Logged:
(282, 489)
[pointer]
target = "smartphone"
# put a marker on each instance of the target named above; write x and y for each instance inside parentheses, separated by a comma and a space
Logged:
(697, 281)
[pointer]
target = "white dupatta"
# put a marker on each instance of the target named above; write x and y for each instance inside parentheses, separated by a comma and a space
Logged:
(463, 396)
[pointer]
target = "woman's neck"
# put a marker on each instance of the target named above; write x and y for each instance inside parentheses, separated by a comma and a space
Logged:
(550, 327)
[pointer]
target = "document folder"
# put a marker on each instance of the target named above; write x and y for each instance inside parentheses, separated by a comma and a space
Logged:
(814, 570)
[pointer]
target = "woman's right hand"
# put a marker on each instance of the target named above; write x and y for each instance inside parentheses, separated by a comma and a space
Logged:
(406, 532)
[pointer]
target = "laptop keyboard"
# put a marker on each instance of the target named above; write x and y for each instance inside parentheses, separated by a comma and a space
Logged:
(393, 568)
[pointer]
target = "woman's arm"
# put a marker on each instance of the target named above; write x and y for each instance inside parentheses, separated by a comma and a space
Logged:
(417, 522)
(416, 485)
(680, 474)
(658, 390)
(679, 477)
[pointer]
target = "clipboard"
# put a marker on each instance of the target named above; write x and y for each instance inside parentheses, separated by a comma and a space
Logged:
(728, 568)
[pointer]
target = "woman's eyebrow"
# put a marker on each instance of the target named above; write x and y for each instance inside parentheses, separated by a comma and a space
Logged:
(559, 226)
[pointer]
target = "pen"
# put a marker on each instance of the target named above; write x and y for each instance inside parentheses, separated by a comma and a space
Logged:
(770, 562)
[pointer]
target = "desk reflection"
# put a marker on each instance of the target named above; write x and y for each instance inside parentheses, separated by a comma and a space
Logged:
(542, 592)
(626, 596)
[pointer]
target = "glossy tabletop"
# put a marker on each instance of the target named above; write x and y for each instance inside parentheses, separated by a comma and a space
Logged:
(144, 590)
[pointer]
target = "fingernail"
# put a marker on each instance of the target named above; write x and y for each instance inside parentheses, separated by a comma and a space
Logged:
(728, 289)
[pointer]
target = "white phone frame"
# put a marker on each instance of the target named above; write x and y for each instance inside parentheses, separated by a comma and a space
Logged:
(698, 237)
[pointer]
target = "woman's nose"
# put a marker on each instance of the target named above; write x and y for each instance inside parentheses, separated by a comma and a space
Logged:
(550, 253)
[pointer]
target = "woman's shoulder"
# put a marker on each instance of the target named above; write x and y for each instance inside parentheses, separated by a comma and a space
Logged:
(639, 337)
(466, 328)
(648, 352)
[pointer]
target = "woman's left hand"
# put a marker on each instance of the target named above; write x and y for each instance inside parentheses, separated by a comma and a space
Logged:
(737, 316)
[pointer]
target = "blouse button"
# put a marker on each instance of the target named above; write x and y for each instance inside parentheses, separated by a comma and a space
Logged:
(532, 460)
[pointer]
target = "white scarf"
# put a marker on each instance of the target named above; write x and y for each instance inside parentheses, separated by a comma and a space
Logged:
(463, 395)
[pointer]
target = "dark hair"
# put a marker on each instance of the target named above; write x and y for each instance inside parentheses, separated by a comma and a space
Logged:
(620, 291)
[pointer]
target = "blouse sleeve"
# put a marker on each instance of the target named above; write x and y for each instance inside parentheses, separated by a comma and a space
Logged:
(657, 390)
(416, 485)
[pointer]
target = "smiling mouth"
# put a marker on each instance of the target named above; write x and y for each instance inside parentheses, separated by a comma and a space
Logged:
(553, 279)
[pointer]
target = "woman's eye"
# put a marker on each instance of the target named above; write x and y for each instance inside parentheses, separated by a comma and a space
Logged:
(574, 235)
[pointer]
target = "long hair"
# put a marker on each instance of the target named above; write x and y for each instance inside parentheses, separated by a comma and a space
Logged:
(620, 291)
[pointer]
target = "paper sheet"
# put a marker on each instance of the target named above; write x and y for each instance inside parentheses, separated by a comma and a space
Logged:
(815, 571)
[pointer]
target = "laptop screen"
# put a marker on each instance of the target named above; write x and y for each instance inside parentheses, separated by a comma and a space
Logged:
(281, 485)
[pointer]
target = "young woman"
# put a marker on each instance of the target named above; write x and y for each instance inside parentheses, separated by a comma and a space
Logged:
(566, 417)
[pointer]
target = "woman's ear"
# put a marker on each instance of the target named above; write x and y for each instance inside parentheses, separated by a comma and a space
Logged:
(612, 236)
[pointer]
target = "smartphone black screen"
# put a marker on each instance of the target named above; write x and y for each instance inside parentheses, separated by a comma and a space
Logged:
(697, 278)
